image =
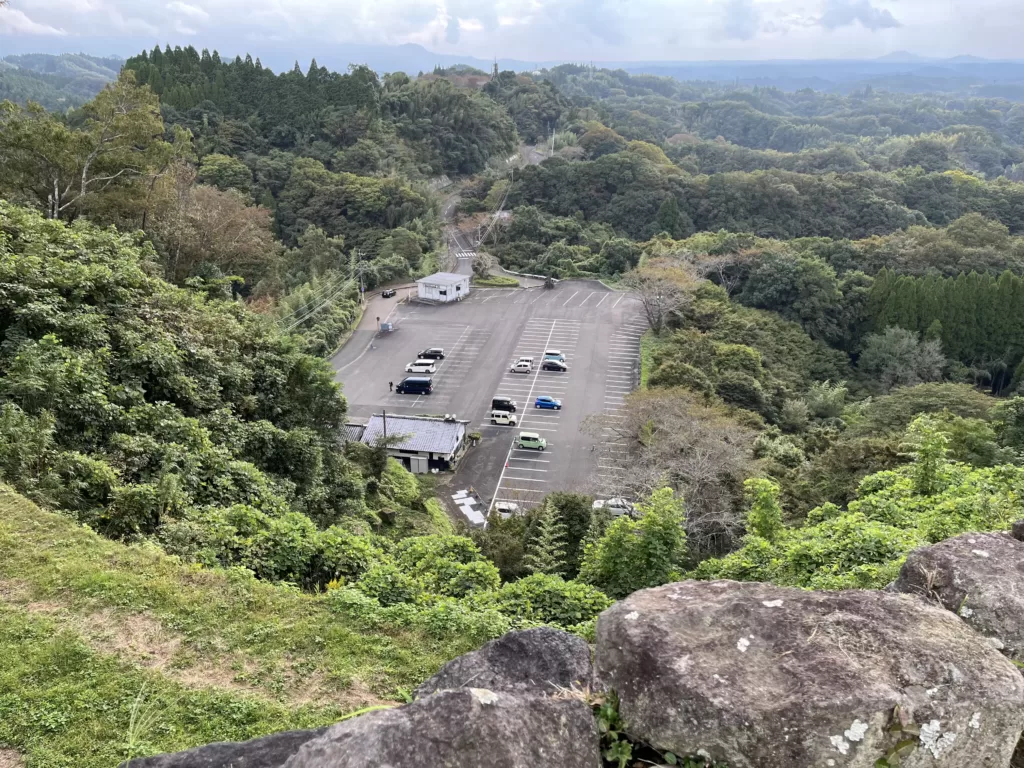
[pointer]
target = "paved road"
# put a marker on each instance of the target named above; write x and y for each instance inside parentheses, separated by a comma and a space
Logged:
(598, 331)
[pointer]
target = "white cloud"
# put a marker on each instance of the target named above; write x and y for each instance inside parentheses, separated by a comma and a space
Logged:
(15, 22)
(538, 30)
(191, 11)
(839, 13)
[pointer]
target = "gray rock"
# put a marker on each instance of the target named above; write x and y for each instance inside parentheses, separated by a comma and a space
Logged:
(457, 729)
(760, 676)
(269, 752)
(538, 659)
(979, 577)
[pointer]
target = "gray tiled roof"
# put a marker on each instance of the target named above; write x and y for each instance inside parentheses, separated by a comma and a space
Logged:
(354, 432)
(427, 435)
(443, 278)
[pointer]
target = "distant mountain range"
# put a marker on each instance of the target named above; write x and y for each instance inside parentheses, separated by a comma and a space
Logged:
(55, 81)
(897, 71)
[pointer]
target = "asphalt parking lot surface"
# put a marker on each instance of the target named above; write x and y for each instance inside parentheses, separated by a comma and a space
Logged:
(597, 330)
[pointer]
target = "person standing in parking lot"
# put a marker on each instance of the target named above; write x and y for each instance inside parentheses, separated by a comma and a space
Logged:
(391, 386)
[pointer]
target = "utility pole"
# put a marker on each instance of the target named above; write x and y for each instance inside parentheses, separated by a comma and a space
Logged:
(384, 419)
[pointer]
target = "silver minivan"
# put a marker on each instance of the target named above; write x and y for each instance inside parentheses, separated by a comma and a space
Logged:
(522, 367)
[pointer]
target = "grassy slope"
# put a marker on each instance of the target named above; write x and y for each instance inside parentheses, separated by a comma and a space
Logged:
(87, 624)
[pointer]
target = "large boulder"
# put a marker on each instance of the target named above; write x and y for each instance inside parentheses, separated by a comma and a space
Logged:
(978, 576)
(541, 659)
(761, 676)
(269, 752)
(454, 729)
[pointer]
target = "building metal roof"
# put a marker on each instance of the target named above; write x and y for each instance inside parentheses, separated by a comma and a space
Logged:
(443, 278)
(426, 434)
(354, 432)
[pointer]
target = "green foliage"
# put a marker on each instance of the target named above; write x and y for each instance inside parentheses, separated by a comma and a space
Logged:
(898, 358)
(928, 445)
(261, 651)
(545, 599)
(225, 173)
(140, 432)
(895, 511)
(764, 515)
(388, 585)
(545, 553)
(635, 554)
(974, 315)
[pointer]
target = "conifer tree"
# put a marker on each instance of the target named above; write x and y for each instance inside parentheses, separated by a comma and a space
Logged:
(546, 553)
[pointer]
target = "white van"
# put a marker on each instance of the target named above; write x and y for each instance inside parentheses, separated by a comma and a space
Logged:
(522, 367)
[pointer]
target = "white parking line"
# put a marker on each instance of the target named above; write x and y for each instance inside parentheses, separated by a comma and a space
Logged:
(617, 302)
(570, 298)
(526, 469)
(523, 480)
(551, 333)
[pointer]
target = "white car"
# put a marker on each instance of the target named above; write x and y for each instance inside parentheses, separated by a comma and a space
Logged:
(521, 367)
(506, 508)
(421, 366)
(503, 417)
(617, 507)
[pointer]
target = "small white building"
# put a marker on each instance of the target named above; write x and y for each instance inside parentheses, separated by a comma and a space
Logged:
(443, 287)
(429, 443)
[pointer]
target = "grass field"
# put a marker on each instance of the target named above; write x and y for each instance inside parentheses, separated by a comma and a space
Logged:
(92, 631)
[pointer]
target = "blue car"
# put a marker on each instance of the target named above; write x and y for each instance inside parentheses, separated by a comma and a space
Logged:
(548, 402)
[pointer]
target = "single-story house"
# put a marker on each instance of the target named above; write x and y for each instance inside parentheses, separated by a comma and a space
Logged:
(443, 287)
(354, 432)
(431, 442)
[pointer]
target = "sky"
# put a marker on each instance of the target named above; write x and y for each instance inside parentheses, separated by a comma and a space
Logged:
(533, 30)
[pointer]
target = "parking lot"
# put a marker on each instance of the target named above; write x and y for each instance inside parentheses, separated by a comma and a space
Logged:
(597, 330)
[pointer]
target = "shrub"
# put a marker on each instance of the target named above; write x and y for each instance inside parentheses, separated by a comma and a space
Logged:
(341, 556)
(547, 599)
(388, 585)
(742, 390)
(635, 554)
(398, 484)
(673, 373)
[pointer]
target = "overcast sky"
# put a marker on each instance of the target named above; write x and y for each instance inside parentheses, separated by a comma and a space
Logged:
(616, 30)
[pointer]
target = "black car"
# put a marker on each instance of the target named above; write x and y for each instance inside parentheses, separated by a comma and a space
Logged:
(434, 353)
(387, 293)
(501, 403)
(415, 385)
(554, 365)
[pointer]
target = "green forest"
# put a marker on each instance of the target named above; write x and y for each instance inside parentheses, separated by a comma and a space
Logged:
(834, 286)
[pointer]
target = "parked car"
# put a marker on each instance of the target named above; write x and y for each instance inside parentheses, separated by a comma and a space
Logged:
(548, 402)
(617, 507)
(432, 353)
(387, 293)
(521, 367)
(554, 354)
(550, 364)
(506, 508)
(421, 366)
(531, 440)
(415, 385)
(502, 403)
(503, 417)
(525, 360)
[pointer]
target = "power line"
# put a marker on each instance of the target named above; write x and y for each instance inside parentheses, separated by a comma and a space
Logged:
(327, 301)
(316, 296)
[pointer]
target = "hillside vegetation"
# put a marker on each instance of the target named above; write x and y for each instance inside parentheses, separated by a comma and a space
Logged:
(92, 630)
(833, 376)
